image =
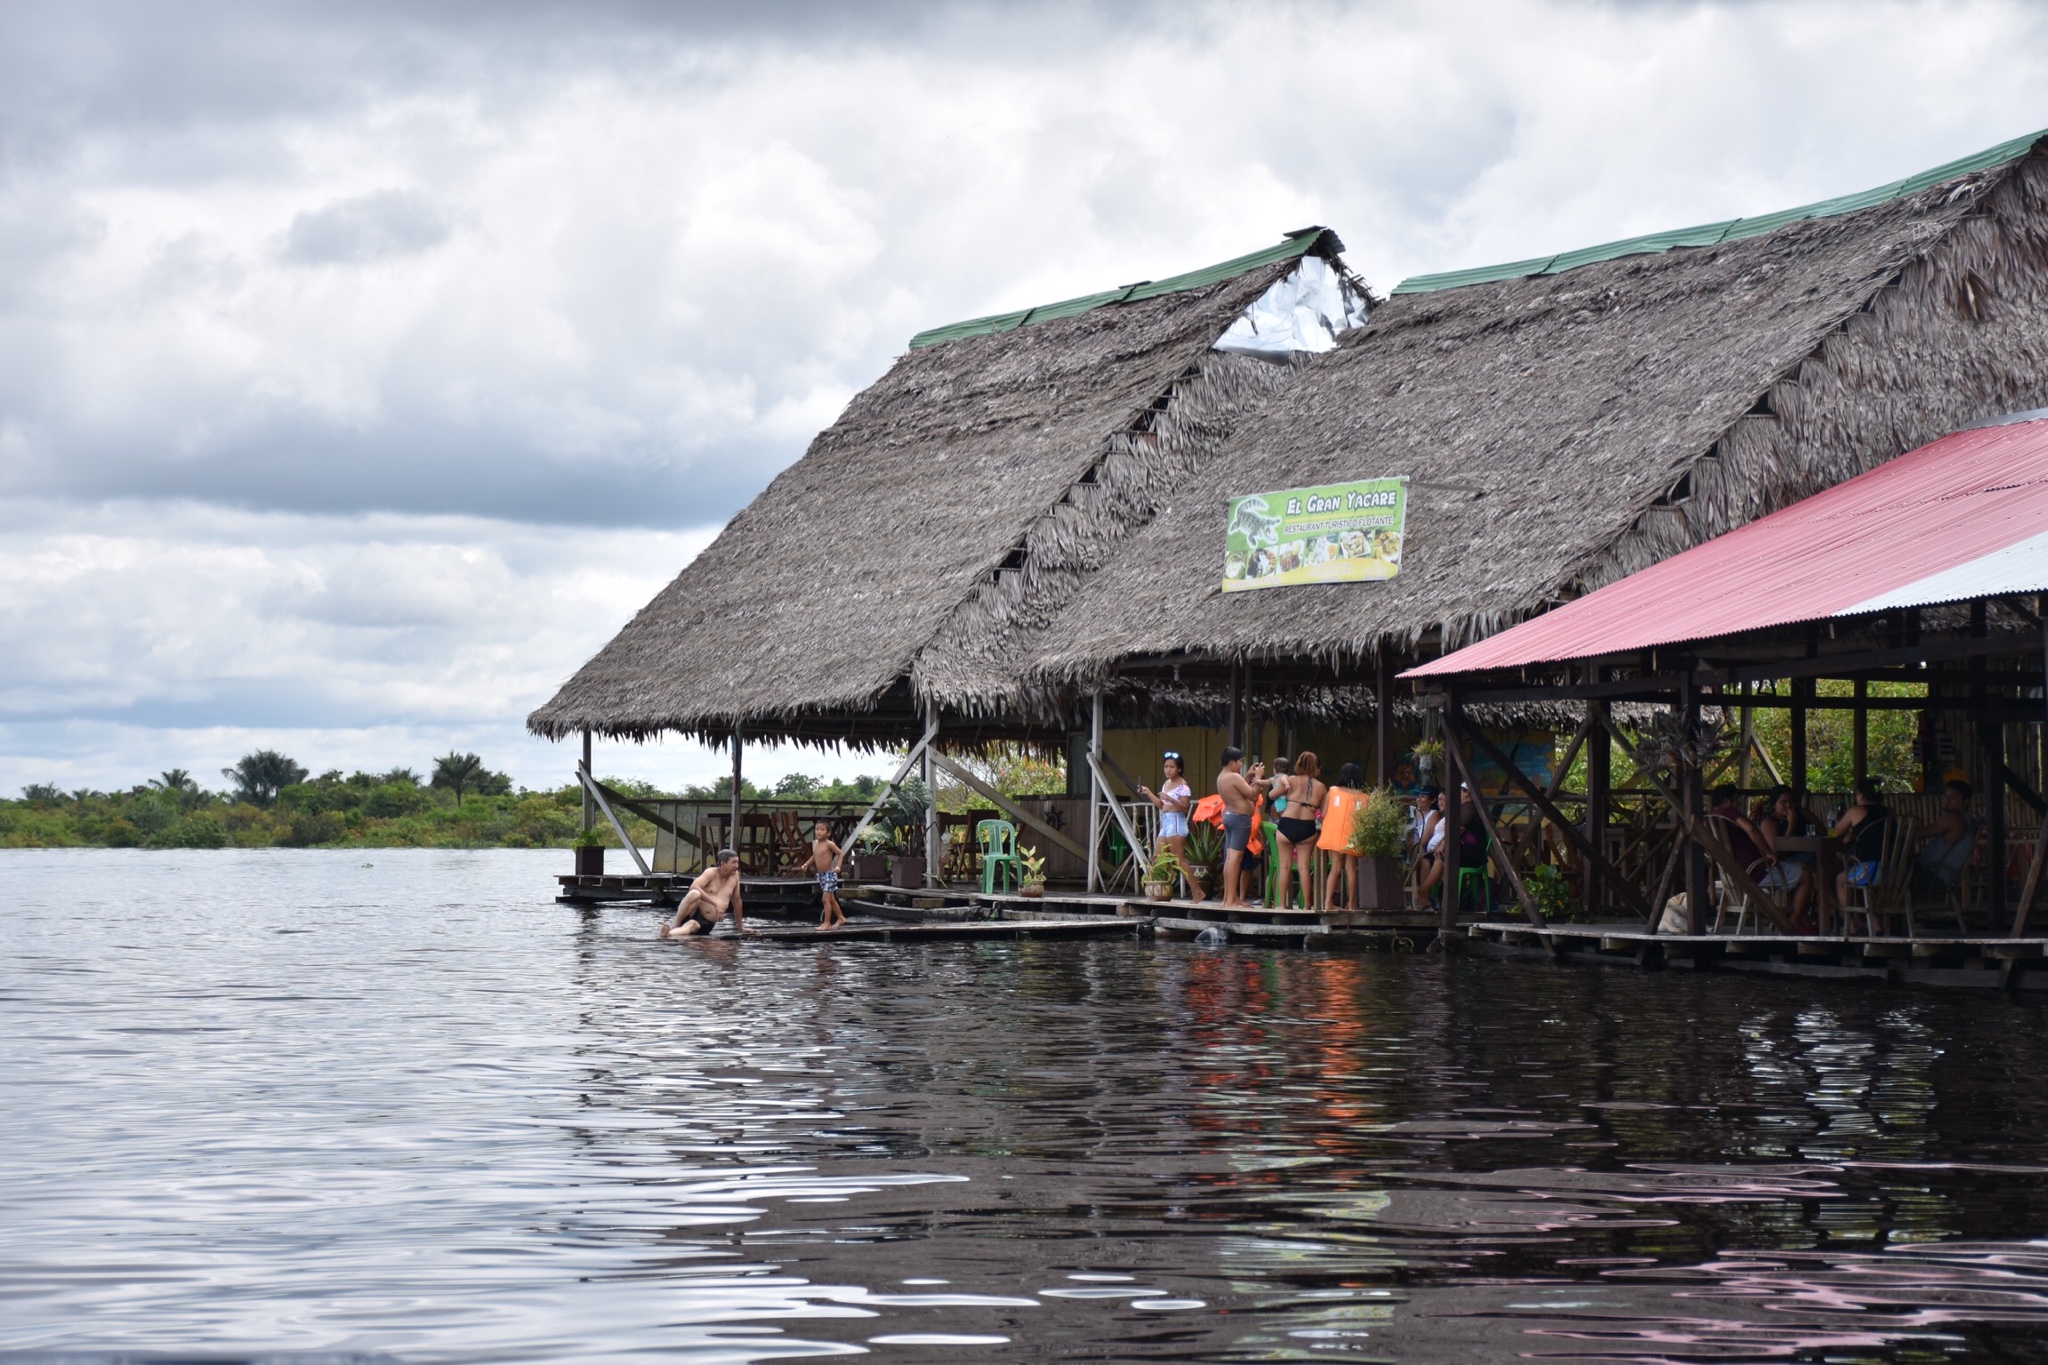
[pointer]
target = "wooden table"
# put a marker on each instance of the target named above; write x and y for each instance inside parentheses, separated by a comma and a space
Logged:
(1827, 853)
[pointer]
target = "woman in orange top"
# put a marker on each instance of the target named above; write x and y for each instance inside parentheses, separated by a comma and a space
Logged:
(1340, 810)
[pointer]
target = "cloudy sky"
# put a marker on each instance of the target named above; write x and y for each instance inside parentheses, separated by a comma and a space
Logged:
(361, 372)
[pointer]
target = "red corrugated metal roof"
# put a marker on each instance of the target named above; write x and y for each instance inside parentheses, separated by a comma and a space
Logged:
(1966, 516)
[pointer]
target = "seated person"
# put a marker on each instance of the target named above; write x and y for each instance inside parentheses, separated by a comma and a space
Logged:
(1426, 849)
(1745, 840)
(1863, 827)
(1947, 845)
(1783, 818)
(715, 890)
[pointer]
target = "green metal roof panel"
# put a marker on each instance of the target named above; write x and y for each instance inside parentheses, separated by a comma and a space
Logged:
(1291, 248)
(1735, 229)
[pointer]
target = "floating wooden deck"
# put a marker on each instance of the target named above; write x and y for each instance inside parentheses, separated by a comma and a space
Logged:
(1034, 927)
(1927, 960)
(770, 895)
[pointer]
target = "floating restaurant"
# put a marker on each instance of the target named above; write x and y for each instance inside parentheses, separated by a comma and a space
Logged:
(1260, 504)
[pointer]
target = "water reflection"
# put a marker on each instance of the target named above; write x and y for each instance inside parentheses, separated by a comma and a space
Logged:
(458, 1122)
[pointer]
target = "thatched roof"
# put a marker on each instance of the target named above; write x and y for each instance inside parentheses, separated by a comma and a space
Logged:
(1564, 429)
(806, 614)
(1020, 513)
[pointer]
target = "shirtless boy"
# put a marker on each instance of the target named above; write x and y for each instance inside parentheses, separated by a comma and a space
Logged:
(714, 892)
(826, 857)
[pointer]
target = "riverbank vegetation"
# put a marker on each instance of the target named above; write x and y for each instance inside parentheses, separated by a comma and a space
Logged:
(272, 801)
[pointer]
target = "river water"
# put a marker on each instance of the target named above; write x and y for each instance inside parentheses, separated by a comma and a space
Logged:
(401, 1102)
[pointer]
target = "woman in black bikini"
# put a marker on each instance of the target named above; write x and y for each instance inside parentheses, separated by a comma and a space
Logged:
(1305, 793)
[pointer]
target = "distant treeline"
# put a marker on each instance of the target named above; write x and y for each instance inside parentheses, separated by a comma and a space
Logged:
(273, 801)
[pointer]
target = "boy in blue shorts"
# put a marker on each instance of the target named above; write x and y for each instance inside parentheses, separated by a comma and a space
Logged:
(825, 859)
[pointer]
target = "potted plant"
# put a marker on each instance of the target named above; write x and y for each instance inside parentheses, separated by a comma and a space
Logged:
(1376, 834)
(1032, 882)
(906, 864)
(1429, 756)
(871, 856)
(589, 846)
(1204, 849)
(1160, 877)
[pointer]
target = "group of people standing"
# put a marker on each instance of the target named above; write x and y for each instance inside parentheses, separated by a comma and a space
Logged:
(1309, 814)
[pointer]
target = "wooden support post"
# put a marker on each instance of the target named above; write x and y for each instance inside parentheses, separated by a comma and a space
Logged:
(1095, 795)
(1991, 738)
(1236, 739)
(1859, 749)
(1599, 784)
(1802, 689)
(732, 829)
(1454, 814)
(934, 851)
(1691, 778)
(1383, 719)
(589, 807)
(1742, 774)
(2032, 881)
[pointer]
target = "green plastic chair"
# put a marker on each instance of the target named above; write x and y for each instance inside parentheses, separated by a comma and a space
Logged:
(997, 840)
(1270, 832)
(1476, 875)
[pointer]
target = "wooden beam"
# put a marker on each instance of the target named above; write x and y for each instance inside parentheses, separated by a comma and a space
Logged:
(1023, 816)
(590, 786)
(1543, 803)
(1456, 753)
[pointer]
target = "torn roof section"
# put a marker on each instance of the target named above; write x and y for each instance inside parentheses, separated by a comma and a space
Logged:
(1333, 299)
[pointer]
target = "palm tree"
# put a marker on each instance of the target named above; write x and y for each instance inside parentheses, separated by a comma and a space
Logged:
(260, 776)
(460, 771)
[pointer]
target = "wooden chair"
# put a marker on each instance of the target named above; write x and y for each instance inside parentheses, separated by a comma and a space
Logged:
(1727, 895)
(1893, 892)
(792, 847)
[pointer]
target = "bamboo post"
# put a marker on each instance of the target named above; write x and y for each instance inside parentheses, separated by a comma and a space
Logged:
(1383, 720)
(2033, 877)
(932, 850)
(589, 808)
(1095, 794)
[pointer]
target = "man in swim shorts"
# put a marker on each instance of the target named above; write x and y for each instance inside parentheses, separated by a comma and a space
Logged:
(1240, 801)
(715, 890)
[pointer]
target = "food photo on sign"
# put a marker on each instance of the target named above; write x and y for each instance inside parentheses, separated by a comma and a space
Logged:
(1331, 533)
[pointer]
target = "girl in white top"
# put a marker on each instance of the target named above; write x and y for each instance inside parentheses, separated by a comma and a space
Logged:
(1173, 798)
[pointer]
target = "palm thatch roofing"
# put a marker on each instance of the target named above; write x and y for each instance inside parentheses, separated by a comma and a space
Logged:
(806, 615)
(1012, 518)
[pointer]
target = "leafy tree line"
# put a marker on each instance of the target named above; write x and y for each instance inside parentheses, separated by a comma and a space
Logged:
(272, 800)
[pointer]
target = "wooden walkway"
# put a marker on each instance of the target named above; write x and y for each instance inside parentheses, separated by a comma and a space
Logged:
(968, 931)
(1930, 960)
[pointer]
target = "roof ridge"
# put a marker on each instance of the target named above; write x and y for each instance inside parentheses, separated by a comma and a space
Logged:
(1296, 244)
(1728, 230)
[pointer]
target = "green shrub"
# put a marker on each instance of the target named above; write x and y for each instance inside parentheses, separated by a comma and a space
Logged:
(1379, 825)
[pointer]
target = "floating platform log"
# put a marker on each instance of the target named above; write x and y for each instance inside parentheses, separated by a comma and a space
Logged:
(760, 895)
(1982, 961)
(1032, 927)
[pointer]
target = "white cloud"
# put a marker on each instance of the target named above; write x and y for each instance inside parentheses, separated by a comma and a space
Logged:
(322, 329)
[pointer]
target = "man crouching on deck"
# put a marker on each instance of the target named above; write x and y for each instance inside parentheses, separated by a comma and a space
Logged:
(706, 902)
